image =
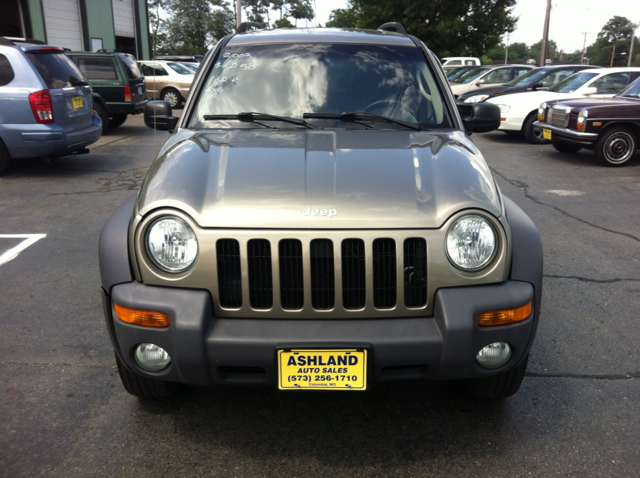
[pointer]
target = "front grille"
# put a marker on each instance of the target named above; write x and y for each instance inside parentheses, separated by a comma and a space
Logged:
(559, 116)
(323, 274)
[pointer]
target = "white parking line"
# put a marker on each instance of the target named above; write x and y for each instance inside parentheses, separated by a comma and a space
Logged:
(29, 239)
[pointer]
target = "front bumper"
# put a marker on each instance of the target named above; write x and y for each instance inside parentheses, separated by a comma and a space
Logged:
(208, 350)
(566, 135)
(511, 123)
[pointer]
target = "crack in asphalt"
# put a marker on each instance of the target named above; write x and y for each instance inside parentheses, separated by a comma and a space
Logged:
(595, 281)
(54, 364)
(525, 188)
(628, 376)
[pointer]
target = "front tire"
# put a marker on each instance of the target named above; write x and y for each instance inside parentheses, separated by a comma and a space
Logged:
(173, 97)
(145, 387)
(616, 146)
(533, 137)
(99, 110)
(495, 387)
(566, 148)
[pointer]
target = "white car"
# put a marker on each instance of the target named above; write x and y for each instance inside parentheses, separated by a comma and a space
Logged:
(460, 60)
(486, 76)
(519, 111)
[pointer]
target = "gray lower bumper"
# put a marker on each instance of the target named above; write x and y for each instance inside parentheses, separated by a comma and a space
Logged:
(208, 350)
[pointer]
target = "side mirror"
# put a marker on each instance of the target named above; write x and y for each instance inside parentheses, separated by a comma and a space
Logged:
(479, 117)
(479, 82)
(157, 115)
(592, 90)
(537, 85)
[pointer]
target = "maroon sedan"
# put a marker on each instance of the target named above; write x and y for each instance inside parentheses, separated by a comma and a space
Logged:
(610, 127)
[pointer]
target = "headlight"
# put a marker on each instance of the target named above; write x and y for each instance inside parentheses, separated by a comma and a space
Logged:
(476, 98)
(471, 243)
(504, 108)
(582, 119)
(172, 244)
(541, 110)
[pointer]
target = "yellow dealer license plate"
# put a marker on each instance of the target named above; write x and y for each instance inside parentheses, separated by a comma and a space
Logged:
(313, 369)
(546, 133)
(77, 102)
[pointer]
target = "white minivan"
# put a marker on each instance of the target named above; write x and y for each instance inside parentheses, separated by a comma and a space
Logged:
(460, 60)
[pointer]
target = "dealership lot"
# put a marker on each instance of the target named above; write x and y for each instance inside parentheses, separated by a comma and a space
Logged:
(64, 409)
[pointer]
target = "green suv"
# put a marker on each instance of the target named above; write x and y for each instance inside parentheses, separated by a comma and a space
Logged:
(119, 89)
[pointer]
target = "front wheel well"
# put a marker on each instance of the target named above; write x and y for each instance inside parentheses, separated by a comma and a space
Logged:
(633, 127)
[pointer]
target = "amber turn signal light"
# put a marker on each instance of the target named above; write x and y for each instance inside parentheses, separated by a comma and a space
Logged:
(505, 316)
(146, 318)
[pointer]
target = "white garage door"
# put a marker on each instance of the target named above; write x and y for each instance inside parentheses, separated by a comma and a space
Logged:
(62, 20)
(123, 18)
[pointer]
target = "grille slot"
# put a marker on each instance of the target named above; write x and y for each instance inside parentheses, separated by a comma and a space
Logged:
(559, 116)
(353, 274)
(291, 280)
(415, 272)
(260, 274)
(384, 273)
(229, 273)
(322, 274)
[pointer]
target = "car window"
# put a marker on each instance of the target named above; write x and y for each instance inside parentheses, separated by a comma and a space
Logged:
(633, 90)
(572, 83)
(97, 68)
(469, 62)
(471, 75)
(530, 76)
(557, 76)
(6, 71)
(130, 66)
(56, 70)
(517, 72)
(497, 76)
(293, 79)
(153, 69)
(455, 62)
(178, 68)
(612, 83)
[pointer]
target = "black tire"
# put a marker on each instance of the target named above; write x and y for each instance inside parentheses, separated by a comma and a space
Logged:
(533, 137)
(116, 121)
(615, 146)
(172, 96)
(5, 159)
(99, 110)
(145, 387)
(566, 148)
(495, 387)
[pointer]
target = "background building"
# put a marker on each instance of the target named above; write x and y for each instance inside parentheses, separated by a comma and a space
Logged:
(87, 25)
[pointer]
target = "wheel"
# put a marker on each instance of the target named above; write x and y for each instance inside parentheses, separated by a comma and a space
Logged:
(99, 110)
(385, 107)
(533, 137)
(615, 147)
(566, 148)
(173, 97)
(145, 387)
(4, 157)
(116, 121)
(495, 387)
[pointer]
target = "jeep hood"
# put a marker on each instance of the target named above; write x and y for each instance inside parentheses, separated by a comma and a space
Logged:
(319, 179)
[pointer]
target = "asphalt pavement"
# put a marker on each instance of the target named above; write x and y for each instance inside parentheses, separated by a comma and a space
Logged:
(64, 411)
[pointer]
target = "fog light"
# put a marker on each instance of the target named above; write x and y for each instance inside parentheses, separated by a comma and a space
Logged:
(152, 358)
(494, 355)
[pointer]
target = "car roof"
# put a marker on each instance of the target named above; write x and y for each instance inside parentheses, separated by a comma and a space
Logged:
(321, 35)
(601, 71)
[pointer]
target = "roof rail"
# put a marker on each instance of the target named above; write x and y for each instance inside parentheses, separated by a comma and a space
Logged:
(5, 42)
(243, 26)
(397, 25)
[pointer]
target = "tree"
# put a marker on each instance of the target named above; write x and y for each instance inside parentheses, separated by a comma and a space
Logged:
(157, 27)
(194, 25)
(613, 40)
(552, 50)
(448, 27)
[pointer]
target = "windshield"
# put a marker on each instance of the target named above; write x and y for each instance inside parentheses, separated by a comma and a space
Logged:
(571, 84)
(293, 79)
(632, 90)
(528, 77)
(471, 75)
(179, 68)
(192, 66)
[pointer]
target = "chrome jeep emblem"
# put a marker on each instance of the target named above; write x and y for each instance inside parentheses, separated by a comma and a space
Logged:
(320, 212)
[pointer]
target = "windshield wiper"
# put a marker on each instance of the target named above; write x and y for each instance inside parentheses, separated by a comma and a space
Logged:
(251, 117)
(631, 95)
(354, 116)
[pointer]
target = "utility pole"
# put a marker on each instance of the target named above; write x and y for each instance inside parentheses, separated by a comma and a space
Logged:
(238, 13)
(506, 54)
(584, 47)
(633, 37)
(545, 35)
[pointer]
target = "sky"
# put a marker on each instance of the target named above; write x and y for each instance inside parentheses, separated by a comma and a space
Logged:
(569, 19)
